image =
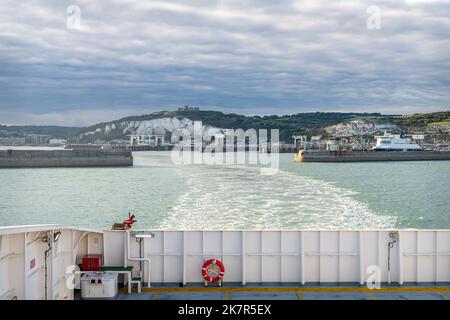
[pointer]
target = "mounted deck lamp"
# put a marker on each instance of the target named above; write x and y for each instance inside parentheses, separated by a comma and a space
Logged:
(46, 237)
(142, 234)
(56, 236)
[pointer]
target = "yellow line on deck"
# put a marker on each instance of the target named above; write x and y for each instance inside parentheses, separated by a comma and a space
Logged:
(154, 295)
(227, 296)
(294, 289)
(443, 295)
(299, 295)
(371, 294)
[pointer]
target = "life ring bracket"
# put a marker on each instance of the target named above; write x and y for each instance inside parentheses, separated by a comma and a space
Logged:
(213, 276)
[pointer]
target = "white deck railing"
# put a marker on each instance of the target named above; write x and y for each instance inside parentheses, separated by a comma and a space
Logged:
(298, 257)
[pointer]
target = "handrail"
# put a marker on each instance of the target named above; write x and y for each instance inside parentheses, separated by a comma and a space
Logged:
(11, 254)
(9, 292)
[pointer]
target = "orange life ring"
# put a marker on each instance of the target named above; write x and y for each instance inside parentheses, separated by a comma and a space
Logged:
(213, 270)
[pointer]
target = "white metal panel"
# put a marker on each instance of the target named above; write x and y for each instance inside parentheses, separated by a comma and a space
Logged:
(194, 247)
(95, 243)
(312, 259)
(155, 249)
(410, 246)
(253, 262)
(212, 244)
(270, 258)
(113, 254)
(381, 248)
(82, 245)
(173, 260)
(63, 258)
(16, 262)
(370, 256)
(329, 256)
(35, 275)
(4, 266)
(443, 256)
(426, 254)
(290, 262)
(232, 246)
(348, 260)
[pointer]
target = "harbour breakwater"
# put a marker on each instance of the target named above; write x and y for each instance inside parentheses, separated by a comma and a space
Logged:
(151, 148)
(64, 158)
(357, 156)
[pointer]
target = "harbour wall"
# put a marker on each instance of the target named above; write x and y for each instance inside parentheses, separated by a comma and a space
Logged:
(64, 158)
(355, 156)
(150, 148)
(281, 149)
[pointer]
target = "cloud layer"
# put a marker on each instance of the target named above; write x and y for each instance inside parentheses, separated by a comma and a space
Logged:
(252, 57)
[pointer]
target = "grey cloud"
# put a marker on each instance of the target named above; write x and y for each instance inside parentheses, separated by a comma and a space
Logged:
(249, 57)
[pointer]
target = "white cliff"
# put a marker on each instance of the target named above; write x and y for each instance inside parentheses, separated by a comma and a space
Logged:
(148, 127)
(358, 128)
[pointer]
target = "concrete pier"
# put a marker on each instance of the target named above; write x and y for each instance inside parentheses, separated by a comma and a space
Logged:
(64, 158)
(150, 148)
(356, 156)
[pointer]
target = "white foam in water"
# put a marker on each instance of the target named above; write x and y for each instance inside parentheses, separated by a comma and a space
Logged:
(235, 197)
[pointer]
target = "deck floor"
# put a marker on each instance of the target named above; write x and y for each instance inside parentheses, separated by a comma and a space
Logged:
(285, 293)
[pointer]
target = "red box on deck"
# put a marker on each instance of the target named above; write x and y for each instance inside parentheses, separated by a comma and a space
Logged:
(92, 262)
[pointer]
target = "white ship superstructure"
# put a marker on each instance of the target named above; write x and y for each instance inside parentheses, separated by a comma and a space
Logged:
(395, 142)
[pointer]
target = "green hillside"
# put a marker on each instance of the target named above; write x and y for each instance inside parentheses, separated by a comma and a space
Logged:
(422, 119)
(312, 123)
(54, 131)
(300, 123)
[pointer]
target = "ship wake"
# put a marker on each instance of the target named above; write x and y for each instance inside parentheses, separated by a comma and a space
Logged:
(239, 197)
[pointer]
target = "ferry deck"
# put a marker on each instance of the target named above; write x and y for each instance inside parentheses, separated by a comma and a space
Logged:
(280, 292)
(46, 262)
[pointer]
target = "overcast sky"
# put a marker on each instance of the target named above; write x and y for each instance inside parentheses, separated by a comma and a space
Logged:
(254, 57)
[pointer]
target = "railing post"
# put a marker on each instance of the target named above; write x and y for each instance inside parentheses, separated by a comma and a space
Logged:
(361, 260)
(400, 260)
(184, 258)
(302, 258)
(25, 266)
(243, 256)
